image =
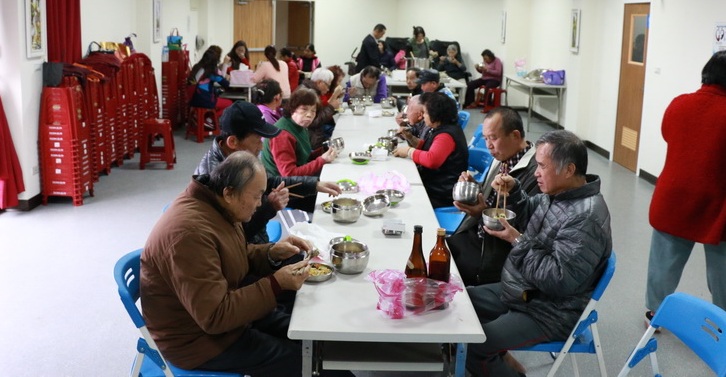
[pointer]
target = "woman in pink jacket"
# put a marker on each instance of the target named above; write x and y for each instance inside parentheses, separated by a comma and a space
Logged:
(273, 69)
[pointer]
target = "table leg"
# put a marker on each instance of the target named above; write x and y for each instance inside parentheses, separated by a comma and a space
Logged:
(307, 358)
(530, 105)
(460, 369)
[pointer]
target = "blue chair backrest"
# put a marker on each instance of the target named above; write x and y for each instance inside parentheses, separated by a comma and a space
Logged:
(274, 230)
(699, 324)
(477, 140)
(127, 275)
(480, 160)
(607, 275)
(464, 119)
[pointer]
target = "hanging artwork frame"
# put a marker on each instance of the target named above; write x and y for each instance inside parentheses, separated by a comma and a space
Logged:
(503, 32)
(575, 31)
(36, 39)
(156, 21)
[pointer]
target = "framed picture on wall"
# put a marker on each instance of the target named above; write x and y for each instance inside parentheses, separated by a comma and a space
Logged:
(35, 26)
(575, 31)
(156, 22)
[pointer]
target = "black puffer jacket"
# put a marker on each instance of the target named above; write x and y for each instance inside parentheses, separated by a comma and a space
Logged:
(567, 244)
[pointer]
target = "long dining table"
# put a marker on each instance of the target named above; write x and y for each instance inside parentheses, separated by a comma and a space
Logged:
(337, 320)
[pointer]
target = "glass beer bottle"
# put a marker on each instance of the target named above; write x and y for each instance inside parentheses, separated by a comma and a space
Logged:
(416, 265)
(440, 258)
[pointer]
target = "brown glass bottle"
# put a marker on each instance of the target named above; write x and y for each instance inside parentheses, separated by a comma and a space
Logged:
(416, 265)
(440, 258)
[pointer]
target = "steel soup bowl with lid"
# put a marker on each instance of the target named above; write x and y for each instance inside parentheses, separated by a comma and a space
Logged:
(349, 257)
(346, 210)
(491, 216)
(466, 192)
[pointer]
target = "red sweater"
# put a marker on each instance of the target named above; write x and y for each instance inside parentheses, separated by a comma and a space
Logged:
(441, 148)
(282, 147)
(689, 200)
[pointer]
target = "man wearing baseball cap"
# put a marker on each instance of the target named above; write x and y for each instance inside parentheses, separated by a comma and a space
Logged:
(243, 128)
(430, 82)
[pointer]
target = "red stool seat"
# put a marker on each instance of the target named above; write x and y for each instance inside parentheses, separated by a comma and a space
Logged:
(495, 94)
(153, 129)
(197, 118)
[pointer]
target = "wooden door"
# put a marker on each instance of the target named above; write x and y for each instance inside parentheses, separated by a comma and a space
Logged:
(253, 23)
(299, 25)
(632, 81)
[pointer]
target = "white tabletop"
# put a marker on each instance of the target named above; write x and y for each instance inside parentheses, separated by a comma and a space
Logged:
(344, 308)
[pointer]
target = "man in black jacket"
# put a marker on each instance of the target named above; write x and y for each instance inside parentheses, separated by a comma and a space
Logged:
(479, 256)
(369, 54)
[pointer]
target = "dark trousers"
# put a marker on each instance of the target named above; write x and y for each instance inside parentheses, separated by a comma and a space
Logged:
(505, 330)
(473, 85)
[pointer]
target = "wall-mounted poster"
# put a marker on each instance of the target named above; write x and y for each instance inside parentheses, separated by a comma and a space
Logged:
(35, 38)
(575, 31)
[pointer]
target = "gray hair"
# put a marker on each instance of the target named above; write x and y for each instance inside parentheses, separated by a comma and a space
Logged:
(452, 47)
(322, 74)
(567, 149)
(235, 172)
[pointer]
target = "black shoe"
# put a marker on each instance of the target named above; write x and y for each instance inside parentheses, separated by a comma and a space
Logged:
(649, 317)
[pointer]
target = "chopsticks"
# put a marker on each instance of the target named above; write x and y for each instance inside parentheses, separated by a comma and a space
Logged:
(293, 194)
(499, 190)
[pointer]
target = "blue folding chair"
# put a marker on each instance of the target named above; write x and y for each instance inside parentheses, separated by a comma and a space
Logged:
(148, 361)
(584, 338)
(477, 140)
(699, 324)
(464, 119)
(479, 162)
(449, 218)
(274, 230)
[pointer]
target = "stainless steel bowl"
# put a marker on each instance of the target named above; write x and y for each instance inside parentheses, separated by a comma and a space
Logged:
(327, 207)
(360, 158)
(376, 205)
(348, 186)
(466, 192)
(394, 196)
(349, 257)
(491, 217)
(337, 143)
(390, 143)
(359, 109)
(387, 103)
(335, 240)
(322, 271)
(392, 133)
(346, 210)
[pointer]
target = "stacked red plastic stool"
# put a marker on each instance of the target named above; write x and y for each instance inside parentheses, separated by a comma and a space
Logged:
(152, 130)
(198, 117)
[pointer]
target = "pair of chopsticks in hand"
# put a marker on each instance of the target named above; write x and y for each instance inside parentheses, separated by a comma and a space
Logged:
(310, 255)
(292, 194)
(499, 191)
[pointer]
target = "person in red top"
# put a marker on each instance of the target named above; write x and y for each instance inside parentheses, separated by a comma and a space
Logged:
(292, 70)
(441, 154)
(238, 54)
(689, 200)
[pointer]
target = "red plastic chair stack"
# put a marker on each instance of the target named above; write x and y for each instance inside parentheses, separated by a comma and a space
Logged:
(64, 145)
(131, 107)
(153, 129)
(495, 95)
(170, 91)
(93, 95)
(196, 123)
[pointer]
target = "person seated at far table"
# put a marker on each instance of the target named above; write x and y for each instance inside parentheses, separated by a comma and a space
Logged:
(321, 129)
(452, 64)
(195, 268)
(479, 256)
(368, 82)
(202, 79)
(308, 61)
(239, 54)
(430, 82)
(442, 154)
(273, 69)
(293, 73)
(387, 60)
(554, 264)
(413, 128)
(491, 77)
(242, 130)
(268, 97)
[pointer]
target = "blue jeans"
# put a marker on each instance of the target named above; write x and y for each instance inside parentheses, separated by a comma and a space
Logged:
(668, 257)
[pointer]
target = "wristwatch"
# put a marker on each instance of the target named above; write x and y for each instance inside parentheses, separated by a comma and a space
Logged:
(520, 238)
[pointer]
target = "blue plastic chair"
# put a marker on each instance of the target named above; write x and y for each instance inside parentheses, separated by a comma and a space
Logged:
(584, 338)
(274, 230)
(449, 218)
(477, 140)
(699, 324)
(479, 162)
(464, 119)
(148, 361)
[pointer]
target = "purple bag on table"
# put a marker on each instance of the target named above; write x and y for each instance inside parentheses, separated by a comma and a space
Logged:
(553, 77)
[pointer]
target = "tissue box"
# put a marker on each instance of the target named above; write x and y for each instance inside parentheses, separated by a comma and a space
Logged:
(238, 77)
(393, 227)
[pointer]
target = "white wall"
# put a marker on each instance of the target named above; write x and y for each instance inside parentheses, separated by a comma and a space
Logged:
(538, 30)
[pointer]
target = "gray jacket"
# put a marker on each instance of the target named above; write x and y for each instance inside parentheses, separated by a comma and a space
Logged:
(566, 247)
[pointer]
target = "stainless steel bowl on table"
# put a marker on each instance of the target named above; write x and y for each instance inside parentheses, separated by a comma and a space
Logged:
(394, 196)
(349, 257)
(346, 210)
(319, 272)
(376, 205)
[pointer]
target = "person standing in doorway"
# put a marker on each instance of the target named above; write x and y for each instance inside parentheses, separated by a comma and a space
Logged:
(369, 54)
(689, 204)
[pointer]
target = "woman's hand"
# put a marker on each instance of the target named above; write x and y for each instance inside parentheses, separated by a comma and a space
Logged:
(466, 177)
(330, 188)
(330, 155)
(279, 197)
(401, 151)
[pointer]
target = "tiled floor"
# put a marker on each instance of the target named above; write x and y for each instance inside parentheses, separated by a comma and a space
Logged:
(60, 314)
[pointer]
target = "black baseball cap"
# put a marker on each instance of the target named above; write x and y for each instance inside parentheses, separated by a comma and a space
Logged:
(428, 75)
(243, 117)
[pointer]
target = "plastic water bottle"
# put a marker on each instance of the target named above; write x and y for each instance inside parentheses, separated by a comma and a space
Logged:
(165, 54)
